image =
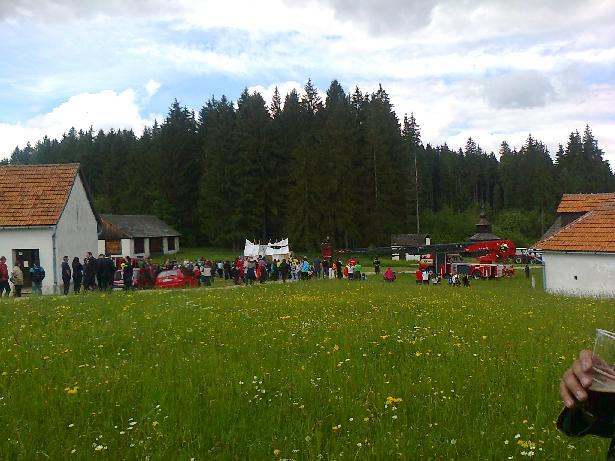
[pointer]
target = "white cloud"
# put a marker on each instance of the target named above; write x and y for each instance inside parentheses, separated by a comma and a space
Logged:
(518, 90)
(50, 11)
(490, 69)
(152, 87)
(283, 88)
(192, 59)
(103, 110)
(451, 113)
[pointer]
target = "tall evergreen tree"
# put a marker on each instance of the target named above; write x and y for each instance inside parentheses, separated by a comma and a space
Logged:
(219, 215)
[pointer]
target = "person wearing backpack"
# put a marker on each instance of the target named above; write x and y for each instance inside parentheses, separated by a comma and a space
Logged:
(37, 275)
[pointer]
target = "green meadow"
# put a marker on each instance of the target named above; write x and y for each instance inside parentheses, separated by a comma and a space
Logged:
(306, 371)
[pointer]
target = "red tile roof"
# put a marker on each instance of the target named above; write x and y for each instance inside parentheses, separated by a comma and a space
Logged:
(34, 195)
(594, 232)
(582, 203)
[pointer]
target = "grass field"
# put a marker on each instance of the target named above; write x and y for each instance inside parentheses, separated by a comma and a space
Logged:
(305, 371)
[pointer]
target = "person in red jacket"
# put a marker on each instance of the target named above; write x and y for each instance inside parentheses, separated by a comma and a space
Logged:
(196, 272)
(389, 275)
(419, 276)
(4, 277)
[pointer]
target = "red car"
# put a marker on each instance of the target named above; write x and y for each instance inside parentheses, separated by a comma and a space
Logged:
(140, 280)
(175, 278)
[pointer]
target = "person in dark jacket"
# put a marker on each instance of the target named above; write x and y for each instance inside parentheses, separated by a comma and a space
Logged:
(284, 270)
(77, 274)
(127, 273)
(227, 270)
(37, 274)
(66, 274)
(586, 412)
(109, 265)
(101, 272)
(90, 268)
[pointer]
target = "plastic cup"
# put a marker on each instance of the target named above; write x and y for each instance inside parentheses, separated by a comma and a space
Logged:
(602, 362)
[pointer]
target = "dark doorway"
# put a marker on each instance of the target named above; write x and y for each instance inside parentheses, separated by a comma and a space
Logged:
(155, 245)
(26, 257)
(139, 245)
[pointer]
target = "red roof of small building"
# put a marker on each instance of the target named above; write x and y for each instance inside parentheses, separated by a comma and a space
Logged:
(582, 203)
(34, 195)
(593, 232)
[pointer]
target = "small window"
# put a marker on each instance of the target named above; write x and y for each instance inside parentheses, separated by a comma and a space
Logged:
(113, 247)
(171, 243)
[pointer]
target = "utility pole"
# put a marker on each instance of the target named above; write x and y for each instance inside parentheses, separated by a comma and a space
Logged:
(416, 186)
(375, 176)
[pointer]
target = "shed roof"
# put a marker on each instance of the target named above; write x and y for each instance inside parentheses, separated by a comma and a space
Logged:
(578, 203)
(594, 232)
(117, 226)
(35, 195)
(408, 239)
(484, 237)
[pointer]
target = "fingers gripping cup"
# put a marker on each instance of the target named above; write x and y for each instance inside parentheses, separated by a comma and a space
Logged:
(603, 362)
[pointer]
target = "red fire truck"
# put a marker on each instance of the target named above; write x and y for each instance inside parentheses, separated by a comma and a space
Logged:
(491, 258)
(448, 258)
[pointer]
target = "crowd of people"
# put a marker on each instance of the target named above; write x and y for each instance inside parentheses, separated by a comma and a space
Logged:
(99, 273)
(252, 269)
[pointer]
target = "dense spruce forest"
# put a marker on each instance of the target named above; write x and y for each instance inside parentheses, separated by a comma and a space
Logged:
(346, 167)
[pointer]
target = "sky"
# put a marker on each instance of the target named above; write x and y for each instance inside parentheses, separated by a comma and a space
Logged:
(492, 70)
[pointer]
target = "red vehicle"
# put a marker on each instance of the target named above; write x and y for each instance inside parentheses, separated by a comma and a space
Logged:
(176, 278)
(483, 271)
(141, 280)
(490, 255)
(447, 258)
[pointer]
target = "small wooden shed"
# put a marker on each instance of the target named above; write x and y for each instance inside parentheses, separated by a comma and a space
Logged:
(136, 235)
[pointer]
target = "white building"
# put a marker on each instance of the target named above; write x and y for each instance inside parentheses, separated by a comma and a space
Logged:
(45, 213)
(579, 258)
(136, 236)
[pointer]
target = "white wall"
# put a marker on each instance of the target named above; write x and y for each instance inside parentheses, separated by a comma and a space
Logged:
(128, 247)
(595, 273)
(77, 231)
(101, 247)
(30, 238)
